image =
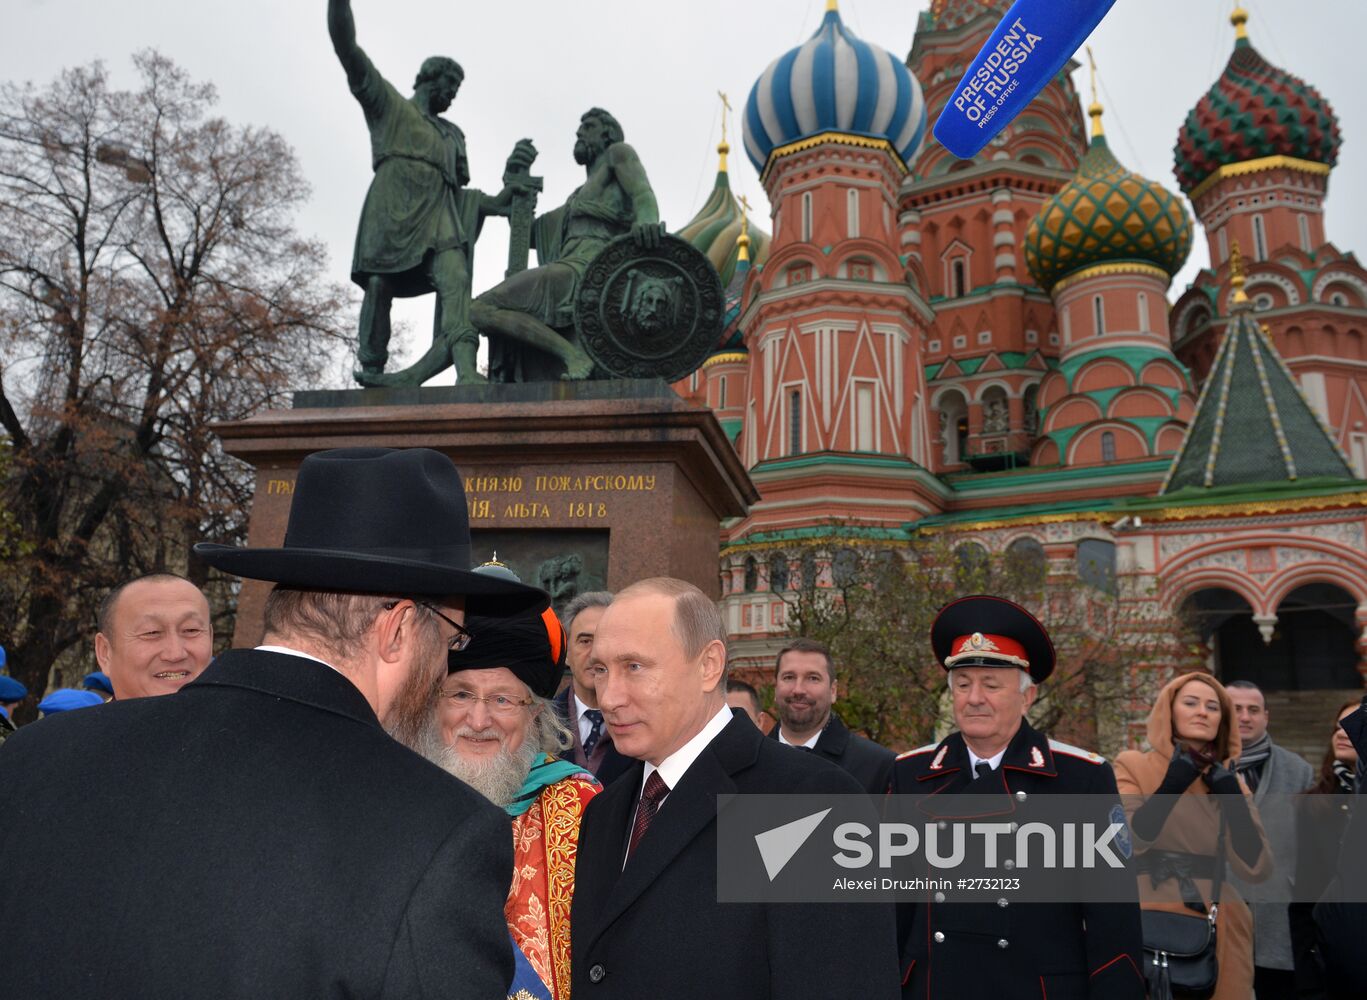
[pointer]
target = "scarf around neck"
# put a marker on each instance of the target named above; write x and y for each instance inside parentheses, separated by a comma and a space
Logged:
(1343, 771)
(546, 771)
(1253, 754)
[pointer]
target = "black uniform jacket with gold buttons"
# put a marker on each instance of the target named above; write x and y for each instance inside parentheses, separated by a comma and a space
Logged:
(1006, 950)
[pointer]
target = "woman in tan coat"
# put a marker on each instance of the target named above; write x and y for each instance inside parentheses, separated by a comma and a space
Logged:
(1195, 742)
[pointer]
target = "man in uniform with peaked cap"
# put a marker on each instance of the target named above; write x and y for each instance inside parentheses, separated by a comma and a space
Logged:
(268, 836)
(996, 654)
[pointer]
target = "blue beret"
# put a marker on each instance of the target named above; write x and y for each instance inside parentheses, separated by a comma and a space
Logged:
(65, 699)
(11, 690)
(98, 681)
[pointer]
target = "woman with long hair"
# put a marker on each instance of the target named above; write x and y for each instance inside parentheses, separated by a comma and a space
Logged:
(1194, 742)
(1320, 823)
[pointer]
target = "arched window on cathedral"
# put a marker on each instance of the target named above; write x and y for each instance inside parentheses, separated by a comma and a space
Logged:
(958, 277)
(795, 422)
(852, 213)
(1030, 405)
(751, 575)
(806, 216)
(1096, 564)
(1026, 563)
(1099, 315)
(972, 568)
(1107, 446)
(1259, 238)
(845, 568)
(778, 572)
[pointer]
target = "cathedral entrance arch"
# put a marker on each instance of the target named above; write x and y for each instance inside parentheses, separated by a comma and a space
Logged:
(1307, 646)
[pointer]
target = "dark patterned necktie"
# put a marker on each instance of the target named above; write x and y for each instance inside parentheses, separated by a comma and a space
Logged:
(595, 718)
(651, 796)
(983, 768)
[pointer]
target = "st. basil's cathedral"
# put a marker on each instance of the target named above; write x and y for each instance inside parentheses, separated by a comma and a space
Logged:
(990, 350)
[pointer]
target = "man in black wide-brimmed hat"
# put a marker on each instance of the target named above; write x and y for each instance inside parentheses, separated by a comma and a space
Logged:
(996, 654)
(265, 836)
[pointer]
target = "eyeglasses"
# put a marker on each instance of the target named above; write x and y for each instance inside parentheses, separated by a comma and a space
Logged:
(454, 644)
(497, 704)
(463, 635)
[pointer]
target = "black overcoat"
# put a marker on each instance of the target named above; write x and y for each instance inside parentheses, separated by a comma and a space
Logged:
(257, 834)
(870, 763)
(656, 929)
(1012, 951)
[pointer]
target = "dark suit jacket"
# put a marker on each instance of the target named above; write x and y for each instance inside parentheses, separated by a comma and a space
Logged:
(870, 763)
(256, 835)
(612, 763)
(656, 929)
(1062, 951)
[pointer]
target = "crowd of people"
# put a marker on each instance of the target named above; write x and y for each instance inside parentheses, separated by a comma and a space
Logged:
(426, 783)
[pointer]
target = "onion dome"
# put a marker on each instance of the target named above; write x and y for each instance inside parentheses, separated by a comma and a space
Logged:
(1254, 110)
(716, 229)
(1106, 214)
(834, 83)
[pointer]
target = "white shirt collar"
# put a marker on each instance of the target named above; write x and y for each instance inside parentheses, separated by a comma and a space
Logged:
(296, 652)
(673, 767)
(811, 743)
(579, 707)
(995, 761)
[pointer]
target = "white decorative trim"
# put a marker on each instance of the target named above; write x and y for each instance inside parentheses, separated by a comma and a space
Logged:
(1325, 280)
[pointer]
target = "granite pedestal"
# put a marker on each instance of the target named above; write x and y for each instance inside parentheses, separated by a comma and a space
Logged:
(576, 485)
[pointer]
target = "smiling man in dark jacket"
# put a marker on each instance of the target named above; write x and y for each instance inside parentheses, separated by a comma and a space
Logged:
(804, 691)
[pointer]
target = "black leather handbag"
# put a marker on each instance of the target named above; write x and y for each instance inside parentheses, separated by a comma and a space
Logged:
(1179, 950)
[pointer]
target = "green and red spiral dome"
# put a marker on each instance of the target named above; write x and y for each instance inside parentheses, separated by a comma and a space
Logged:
(1254, 110)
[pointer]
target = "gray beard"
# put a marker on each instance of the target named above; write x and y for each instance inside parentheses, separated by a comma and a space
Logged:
(498, 778)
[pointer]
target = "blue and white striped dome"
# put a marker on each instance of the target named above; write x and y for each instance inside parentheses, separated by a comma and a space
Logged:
(834, 83)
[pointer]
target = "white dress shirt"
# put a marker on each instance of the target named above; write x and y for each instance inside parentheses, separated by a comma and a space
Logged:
(585, 724)
(296, 652)
(810, 744)
(994, 761)
(673, 767)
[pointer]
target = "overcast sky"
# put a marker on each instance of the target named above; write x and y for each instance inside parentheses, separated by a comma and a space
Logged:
(534, 66)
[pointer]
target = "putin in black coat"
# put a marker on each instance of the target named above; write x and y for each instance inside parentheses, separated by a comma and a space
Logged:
(260, 834)
(645, 919)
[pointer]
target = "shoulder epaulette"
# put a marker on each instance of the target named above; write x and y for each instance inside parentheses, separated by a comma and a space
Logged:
(919, 750)
(1072, 751)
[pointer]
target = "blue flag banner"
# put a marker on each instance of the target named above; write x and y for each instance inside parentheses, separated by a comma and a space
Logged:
(1025, 52)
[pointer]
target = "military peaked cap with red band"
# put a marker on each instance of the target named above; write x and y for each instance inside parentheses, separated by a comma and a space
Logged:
(531, 644)
(984, 631)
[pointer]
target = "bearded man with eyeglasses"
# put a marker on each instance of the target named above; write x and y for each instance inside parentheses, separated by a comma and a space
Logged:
(496, 729)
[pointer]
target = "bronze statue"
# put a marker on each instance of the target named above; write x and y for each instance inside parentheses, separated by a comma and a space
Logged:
(419, 223)
(535, 308)
(613, 297)
(529, 308)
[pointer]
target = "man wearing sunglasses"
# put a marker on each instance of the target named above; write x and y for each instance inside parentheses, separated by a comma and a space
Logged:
(269, 836)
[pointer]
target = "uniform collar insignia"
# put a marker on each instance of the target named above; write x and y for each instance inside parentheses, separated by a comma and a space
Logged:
(939, 760)
(1036, 758)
